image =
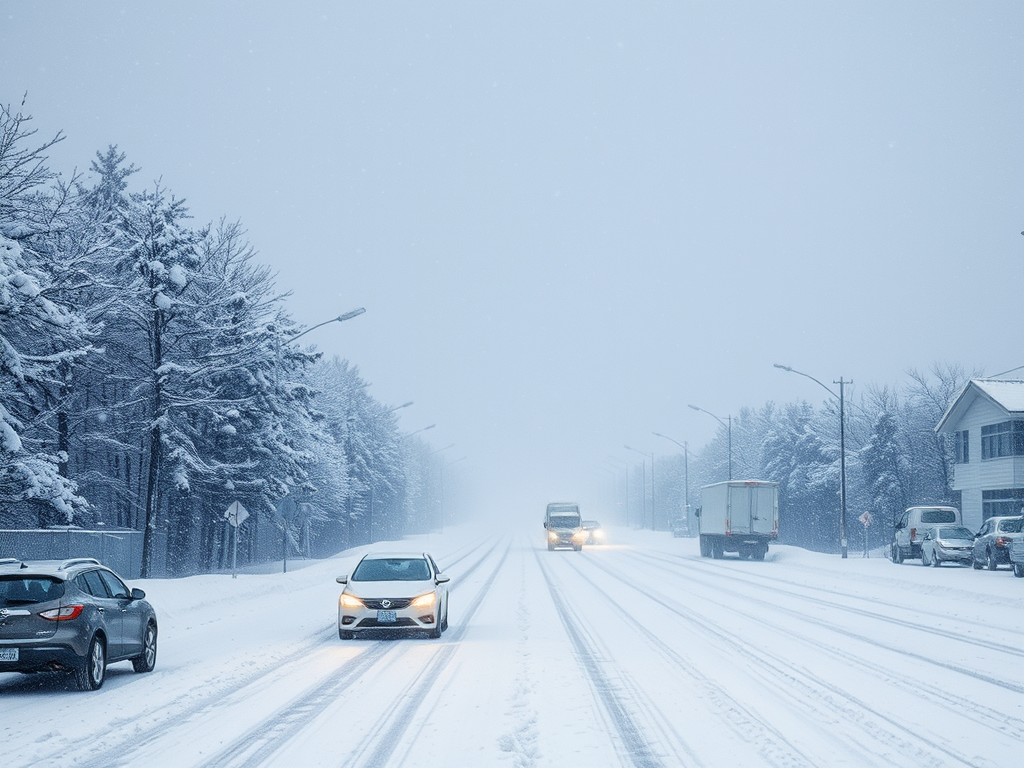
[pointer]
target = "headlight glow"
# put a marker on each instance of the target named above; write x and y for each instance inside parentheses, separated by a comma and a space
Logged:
(424, 601)
(348, 601)
(552, 536)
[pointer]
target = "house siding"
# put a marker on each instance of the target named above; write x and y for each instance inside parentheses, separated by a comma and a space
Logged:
(983, 475)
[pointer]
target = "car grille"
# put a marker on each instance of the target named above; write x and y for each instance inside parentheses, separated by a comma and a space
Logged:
(394, 604)
(400, 622)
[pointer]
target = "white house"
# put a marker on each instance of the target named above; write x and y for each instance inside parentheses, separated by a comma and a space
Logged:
(987, 422)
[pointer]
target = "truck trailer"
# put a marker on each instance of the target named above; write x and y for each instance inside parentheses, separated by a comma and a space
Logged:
(739, 516)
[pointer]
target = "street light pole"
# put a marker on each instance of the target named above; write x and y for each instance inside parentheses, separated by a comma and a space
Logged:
(616, 458)
(842, 447)
(686, 474)
(277, 386)
(643, 520)
(728, 428)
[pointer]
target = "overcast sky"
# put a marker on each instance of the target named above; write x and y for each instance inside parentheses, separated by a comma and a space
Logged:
(567, 221)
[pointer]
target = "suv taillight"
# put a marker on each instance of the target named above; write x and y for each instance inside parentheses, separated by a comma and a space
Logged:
(913, 534)
(64, 613)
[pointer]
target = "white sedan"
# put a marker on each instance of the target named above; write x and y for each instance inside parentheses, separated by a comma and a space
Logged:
(393, 591)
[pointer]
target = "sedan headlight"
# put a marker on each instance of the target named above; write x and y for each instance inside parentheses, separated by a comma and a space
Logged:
(424, 601)
(349, 601)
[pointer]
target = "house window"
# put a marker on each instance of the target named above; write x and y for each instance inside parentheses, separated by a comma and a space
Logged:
(1003, 439)
(1001, 503)
(962, 443)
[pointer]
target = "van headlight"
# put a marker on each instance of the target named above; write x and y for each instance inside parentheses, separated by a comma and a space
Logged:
(552, 536)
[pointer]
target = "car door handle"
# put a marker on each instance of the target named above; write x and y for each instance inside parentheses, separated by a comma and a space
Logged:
(100, 609)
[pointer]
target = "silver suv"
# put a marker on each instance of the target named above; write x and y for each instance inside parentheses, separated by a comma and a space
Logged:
(74, 616)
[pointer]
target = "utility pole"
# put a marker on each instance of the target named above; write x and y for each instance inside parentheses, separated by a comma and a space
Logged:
(842, 464)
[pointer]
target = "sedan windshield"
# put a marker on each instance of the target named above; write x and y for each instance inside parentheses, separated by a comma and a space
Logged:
(955, 532)
(392, 569)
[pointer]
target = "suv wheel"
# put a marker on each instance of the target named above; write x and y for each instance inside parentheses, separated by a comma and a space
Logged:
(93, 671)
(924, 559)
(992, 564)
(1018, 570)
(146, 660)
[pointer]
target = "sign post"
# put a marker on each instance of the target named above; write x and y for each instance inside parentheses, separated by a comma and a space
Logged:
(235, 514)
(866, 520)
(286, 510)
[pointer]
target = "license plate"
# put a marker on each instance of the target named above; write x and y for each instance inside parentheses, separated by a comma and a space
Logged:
(387, 617)
(8, 654)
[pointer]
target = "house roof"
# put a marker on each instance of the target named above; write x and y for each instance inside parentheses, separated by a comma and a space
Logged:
(1007, 394)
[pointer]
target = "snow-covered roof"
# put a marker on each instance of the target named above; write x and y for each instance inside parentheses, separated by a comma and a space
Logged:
(1007, 394)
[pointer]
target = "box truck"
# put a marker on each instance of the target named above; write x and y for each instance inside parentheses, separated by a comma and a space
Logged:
(739, 516)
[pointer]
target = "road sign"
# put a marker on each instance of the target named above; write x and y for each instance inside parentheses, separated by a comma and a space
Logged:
(866, 519)
(236, 514)
(286, 507)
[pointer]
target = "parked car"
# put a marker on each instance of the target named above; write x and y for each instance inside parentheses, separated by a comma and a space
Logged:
(910, 528)
(393, 591)
(74, 615)
(1017, 557)
(992, 545)
(594, 531)
(947, 544)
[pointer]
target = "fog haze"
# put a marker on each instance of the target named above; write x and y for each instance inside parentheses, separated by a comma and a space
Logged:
(568, 222)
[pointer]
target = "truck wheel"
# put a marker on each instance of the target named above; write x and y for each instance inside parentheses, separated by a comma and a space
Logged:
(705, 548)
(759, 554)
(1018, 570)
(551, 547)
(716, 550)
(898, 558)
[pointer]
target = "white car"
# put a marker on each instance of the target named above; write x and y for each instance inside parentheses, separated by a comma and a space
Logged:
(393, 591)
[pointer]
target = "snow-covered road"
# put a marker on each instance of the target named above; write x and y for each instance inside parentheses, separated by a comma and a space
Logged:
(637, 653)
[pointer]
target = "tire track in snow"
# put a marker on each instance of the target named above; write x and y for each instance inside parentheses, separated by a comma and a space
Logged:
(104, 755)
(985, 678)
(385, 744)
(763, 582)
(637, 745)
(747, 726)
(786, 676)
(260, 743)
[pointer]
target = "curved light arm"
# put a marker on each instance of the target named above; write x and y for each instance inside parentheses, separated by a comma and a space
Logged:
(681, 445)
(806, 376)
(709, 413)
(338, 319)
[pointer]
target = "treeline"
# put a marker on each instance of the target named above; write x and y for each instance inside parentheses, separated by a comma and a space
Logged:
(147, 381)
(894, 459)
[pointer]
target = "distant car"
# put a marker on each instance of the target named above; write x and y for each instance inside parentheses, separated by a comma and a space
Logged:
(992, 545)
(947, 544)
(595, 533)
(393, 591)
(564, 526)
(73, 615)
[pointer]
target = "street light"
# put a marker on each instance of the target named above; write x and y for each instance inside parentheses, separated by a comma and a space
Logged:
(727, 426)
(643, 495)
(686, 474)
(277, 372)
(842, 447)
(399, 407)
(421, 429)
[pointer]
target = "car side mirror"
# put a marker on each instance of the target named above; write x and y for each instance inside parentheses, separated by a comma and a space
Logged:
(342, 579)
(441, 579)
(545, 525)
(696, 512)
(138, 594)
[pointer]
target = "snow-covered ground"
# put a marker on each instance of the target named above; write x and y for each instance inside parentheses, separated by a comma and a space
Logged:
(635, 653)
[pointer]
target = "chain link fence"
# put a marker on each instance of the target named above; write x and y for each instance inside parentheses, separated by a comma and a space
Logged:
(118, 548)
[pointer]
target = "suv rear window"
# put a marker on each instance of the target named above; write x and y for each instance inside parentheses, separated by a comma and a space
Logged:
(25, 590)
(938, 516)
